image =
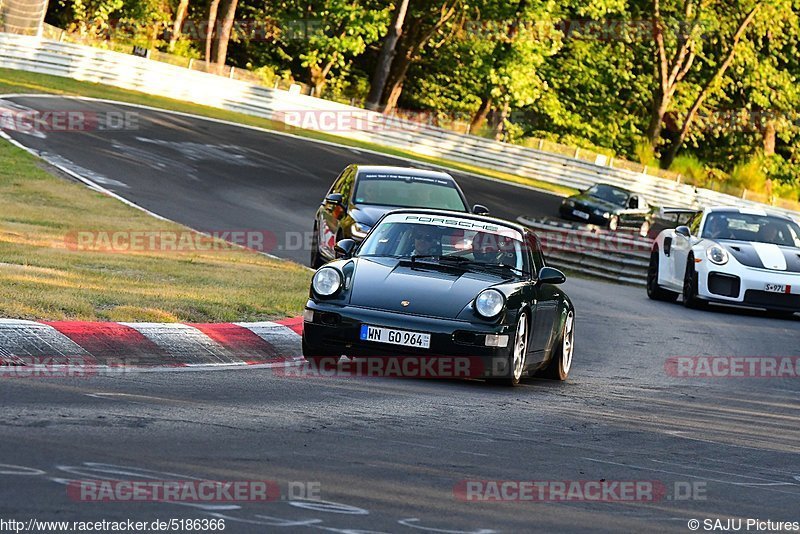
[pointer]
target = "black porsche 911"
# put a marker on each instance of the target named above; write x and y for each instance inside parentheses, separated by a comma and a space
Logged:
(609, 206)
(362, 193)
(443, 284)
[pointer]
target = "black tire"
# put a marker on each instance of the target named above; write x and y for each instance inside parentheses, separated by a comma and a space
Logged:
(513, 380)
(316, 258)
(560, 364)
(613, 223)
(319, 357)
(781, 314)
(690, 299)
(655, 291)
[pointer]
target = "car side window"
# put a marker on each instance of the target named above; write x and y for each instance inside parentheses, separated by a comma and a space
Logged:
(337, 183)
(536, 253)
(633, 202)
(694, 224)
(346, 185)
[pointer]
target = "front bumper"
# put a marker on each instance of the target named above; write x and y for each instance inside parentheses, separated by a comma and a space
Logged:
(568, 212)
(746, 287)
(337, 329)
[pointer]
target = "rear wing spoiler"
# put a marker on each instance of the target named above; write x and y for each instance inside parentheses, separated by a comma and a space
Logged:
(679, 211)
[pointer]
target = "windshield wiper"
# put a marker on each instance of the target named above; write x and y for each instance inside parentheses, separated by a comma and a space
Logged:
(501, 266)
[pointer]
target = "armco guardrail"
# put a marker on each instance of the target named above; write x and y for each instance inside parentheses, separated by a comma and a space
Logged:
(131, 72)
(614, 256)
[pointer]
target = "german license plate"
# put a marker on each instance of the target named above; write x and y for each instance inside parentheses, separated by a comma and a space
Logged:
(580, 214)
(777, 288)
(395, 337)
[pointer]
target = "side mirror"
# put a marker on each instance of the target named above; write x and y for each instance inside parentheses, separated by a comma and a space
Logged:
(549, 275)
(684, 231)
(334, 198)
(344, 248)
(480, 209)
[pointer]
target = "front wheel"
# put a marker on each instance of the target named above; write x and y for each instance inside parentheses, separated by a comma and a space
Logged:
(316, 258)
(517, 357)
(319, 357)
(781, 314)
(655, 291)
(561, 361)
(690, 298)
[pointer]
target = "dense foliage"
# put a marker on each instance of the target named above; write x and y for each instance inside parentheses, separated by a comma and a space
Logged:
(705, 87)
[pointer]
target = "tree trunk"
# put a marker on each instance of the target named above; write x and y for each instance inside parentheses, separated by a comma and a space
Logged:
(407, 50)
(698, 101)
(769, 138)
(660, 107)
(500, 127)
(177, 26)
(394, 86)
(479, 119)
(212, 22)
(388, 51)
(225, 33)
(319, 76)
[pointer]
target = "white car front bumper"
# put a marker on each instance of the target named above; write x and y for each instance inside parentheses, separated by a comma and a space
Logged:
(736, 284)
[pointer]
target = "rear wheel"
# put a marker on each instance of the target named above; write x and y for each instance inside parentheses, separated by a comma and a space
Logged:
(655, 291)
(561, 362)
(690, 299)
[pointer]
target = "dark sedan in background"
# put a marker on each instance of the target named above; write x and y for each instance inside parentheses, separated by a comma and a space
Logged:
(608, 206)
(361, 194)
(434, 284)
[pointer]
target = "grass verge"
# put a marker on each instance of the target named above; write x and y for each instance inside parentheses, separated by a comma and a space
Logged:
(15, 81)
(43, 275)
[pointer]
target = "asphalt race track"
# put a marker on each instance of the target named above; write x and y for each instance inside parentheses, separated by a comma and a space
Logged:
(216, 177)
(392, 455)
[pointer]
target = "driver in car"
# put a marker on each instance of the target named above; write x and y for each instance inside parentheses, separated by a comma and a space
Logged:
(718, 228)
(426, 241)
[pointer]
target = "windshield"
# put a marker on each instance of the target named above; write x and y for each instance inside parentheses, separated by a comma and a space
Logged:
(407, 191)
(751, 227)
(440, 239)
(608, 194)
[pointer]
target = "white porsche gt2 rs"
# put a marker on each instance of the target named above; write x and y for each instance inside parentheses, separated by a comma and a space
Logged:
(732, 256)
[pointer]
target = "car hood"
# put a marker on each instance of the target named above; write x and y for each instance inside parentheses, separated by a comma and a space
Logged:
(369, 215)
(764, 255)
(383, 283)
(596, 203)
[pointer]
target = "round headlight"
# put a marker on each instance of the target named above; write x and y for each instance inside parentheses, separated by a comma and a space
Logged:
(717, 254)
(326, 281)
(489, 303)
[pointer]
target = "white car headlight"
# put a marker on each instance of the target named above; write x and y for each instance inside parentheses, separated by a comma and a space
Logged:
(360, 231)
(326, 281)
(489, 303)
(716, 254)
